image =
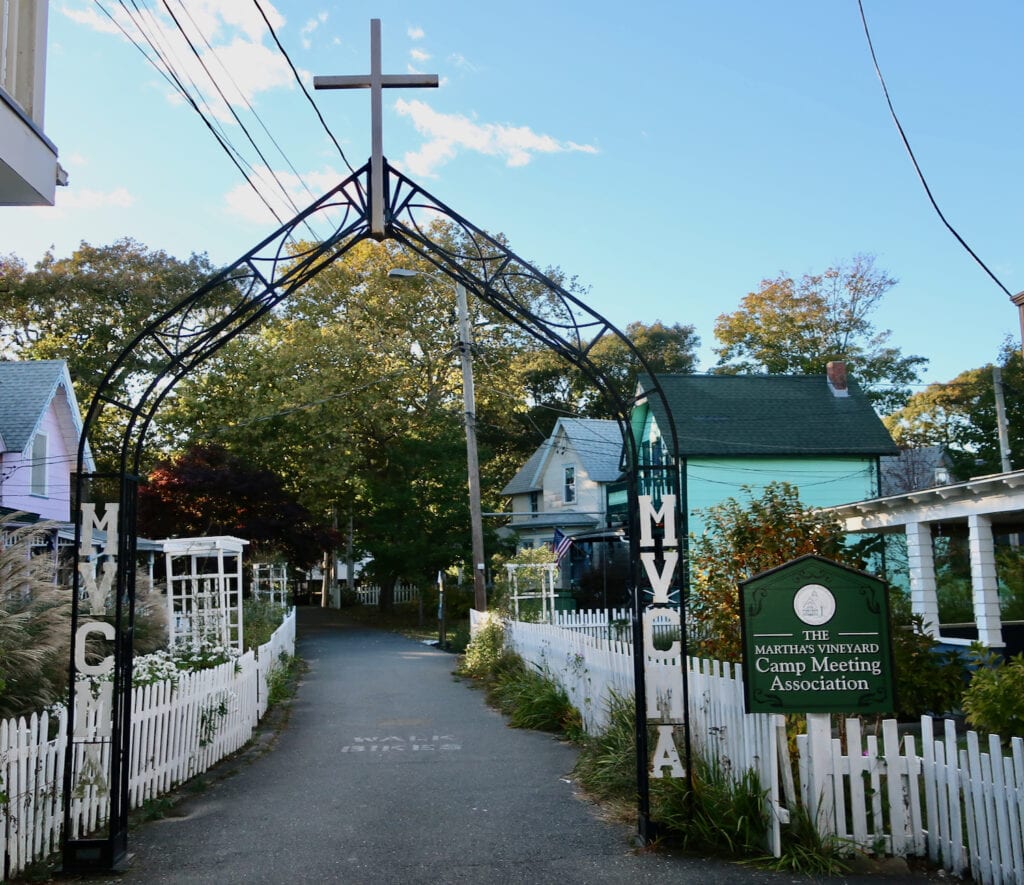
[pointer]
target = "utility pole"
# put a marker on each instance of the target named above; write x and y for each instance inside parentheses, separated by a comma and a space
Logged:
(1004, 439)
(472, 461)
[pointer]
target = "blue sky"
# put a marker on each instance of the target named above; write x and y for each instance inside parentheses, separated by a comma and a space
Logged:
(669, 154)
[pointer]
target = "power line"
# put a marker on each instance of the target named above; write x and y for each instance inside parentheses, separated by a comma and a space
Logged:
(302, 85)
(172, 76)
(913, 159)
(234, 114)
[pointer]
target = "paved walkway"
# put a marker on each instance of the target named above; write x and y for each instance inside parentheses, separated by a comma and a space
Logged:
(390, 770)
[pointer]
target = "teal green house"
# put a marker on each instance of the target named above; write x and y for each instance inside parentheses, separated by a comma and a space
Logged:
(817, 432)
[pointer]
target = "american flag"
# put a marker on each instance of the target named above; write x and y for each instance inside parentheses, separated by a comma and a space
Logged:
(561, 544)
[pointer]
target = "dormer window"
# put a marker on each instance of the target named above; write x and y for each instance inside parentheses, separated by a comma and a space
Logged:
(534, 502)
(39, 456)
(569, 485)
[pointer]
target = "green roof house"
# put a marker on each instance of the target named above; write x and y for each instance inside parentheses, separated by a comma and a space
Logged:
(817, 432)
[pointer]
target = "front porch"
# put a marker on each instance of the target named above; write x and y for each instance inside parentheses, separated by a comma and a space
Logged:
(988, 506)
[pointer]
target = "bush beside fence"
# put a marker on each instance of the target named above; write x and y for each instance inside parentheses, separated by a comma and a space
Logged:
(179, 730)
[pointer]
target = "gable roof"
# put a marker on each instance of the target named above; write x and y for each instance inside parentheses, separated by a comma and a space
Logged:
(26, 390)
(914, 469)
(769, 415)
(596, 442)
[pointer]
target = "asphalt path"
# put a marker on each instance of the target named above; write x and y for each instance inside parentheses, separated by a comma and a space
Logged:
(391, 770)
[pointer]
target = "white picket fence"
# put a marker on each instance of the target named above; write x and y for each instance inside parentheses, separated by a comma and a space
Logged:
(937, 795)
(369, 594)
(948, 801)
(179, 730)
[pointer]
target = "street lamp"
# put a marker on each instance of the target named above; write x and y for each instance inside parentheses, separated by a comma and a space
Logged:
(472, 461)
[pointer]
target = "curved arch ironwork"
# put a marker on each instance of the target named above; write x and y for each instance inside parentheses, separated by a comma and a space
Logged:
(180, 339)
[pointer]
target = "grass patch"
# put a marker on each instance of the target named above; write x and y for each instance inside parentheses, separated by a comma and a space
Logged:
(806, 851)
(606, 765)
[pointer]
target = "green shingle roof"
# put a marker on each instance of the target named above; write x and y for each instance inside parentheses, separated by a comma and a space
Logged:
(769, 415)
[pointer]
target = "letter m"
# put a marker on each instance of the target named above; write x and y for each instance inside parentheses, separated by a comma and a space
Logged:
(649, 517)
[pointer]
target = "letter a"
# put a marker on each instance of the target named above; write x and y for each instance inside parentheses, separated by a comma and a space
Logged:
(666, 755)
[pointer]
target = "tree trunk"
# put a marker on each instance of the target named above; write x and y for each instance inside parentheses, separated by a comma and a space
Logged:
(387, 593)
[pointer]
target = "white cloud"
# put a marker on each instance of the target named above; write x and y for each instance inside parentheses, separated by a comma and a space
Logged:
(419, 55)
(309, 27)
(235, 30)
(416, 33)
(92, 19)
(70, 198)
(243, 202)
(448, 133)
(460, 61)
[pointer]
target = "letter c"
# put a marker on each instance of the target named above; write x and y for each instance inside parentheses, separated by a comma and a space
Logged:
(107, 631)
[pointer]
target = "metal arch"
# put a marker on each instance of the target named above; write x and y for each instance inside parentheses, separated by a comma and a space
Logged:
(189, 333)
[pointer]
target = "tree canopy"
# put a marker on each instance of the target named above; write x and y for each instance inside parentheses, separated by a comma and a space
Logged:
(207, 490)
(743, 538)
(791, 326)
(961, 416)
(556, 387)
(86, 308)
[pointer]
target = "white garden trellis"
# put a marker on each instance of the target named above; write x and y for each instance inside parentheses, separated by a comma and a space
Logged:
(204, 590)
(546, 591)
(270, 581)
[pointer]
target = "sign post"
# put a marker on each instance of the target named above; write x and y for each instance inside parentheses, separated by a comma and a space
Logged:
(816, 640)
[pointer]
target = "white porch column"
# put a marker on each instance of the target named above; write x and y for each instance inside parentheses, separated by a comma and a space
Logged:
(924, 600)
(984, 583)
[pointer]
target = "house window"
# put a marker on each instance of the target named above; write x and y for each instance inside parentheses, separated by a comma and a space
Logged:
(39, 465)
(569, 487)
(534, 502)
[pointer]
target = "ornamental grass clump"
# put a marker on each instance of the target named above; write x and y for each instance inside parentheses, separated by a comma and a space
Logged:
(35, 621)
(719, 816)
(531, 699)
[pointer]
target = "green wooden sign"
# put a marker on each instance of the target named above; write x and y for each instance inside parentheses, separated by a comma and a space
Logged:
(816, 640)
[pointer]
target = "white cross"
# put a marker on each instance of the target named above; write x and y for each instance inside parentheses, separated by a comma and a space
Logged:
(376, 81)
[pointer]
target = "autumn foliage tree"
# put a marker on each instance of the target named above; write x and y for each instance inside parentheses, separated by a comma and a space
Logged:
(209, 491)
(795, 326)
(742, 539)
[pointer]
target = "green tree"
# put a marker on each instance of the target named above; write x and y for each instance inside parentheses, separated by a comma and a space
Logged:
(87, 308)
(556, 387)
(960, 415)
(742, 539)
(793, 326)
(352, 391)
